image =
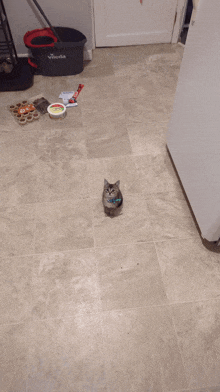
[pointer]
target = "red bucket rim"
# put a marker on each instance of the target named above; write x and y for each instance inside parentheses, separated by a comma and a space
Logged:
(39, 33)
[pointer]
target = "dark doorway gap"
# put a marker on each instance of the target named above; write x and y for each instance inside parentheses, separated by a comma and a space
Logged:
(185, 28)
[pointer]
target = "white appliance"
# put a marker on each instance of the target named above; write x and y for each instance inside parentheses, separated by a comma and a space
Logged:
(193, 138)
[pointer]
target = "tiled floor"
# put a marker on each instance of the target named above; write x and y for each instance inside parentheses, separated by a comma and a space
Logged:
(89, 303)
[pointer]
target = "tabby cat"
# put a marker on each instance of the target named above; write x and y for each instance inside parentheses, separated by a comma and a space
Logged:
(112, 198)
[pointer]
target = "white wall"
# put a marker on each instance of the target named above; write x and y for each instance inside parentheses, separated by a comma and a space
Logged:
(23, 16)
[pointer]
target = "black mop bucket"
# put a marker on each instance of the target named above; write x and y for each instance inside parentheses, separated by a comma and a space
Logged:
(54, 58)
(56, 51)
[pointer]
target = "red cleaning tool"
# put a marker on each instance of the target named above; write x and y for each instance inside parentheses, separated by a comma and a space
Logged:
(75, 95)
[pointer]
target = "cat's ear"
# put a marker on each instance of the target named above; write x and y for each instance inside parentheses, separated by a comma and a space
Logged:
(117, 183)
(105, 182)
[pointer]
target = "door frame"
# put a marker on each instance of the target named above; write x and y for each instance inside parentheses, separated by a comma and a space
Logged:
(177, 25)
(179, 20)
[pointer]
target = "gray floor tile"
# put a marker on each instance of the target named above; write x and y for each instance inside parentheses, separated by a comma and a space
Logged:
(64, 283)
(197, 326)
(66, 355)
(13, 357)
(65, 225)
(141, 350)
(129, 276)
(190, 272)
(131, 226)
(17, 227)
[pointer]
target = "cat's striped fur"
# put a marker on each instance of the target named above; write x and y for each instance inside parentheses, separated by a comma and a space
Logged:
(112, 198)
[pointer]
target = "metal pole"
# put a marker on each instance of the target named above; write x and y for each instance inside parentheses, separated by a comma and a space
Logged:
(48, 22)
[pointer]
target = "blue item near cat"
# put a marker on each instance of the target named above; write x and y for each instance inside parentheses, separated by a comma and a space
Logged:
(113, 200)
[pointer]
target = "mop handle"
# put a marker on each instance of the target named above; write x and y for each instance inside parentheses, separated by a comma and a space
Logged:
(42, 13)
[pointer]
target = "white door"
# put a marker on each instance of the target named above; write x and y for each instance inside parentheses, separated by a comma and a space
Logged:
(137, 22)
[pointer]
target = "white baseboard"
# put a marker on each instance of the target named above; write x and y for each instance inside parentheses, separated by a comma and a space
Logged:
(87, 55)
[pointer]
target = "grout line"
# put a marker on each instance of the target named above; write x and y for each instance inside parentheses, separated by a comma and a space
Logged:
(105, 311)
(169, 305)
(97, 247)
